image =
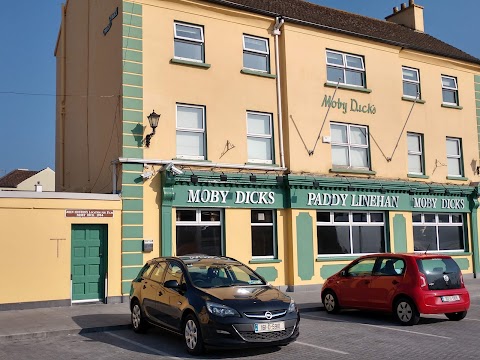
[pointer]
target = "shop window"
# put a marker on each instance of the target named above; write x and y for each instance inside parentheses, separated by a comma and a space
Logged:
(454, 157)
(350, 146)
(415, 154)
(449, 90)
(191, 132)
(340, 233)
(256, 54)
(189, 42)
(199, 231)
(346, 68)
(263, 234)
(411, 82)
(437, 232)
(259, 137)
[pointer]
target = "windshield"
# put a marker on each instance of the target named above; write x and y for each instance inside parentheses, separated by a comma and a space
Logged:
(222, 275)
(441, 273)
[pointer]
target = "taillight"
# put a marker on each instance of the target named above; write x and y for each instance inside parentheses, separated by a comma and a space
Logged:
(461, 280)
(423, 282)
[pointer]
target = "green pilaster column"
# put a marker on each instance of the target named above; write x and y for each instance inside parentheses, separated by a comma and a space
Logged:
(474, 227)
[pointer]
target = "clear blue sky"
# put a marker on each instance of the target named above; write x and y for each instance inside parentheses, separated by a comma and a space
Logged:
(27, 66)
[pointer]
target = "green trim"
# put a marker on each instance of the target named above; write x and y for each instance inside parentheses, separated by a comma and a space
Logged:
(133, 167)
(129, 273)
(131, 179)
(132, 191)
(258, 73)
(452, 253)
(477, 78)
(133, 140)
(328, 270)
(132, 55)
(190, 63)
(129, 218)
(418, 176)
(132, 44)
(268, 273)
(132, 8)
(304, 235)
(133, 152)
(126, 285)
(352, 171)
(132, 246)
(477, 87)
(132, 259)
(399, 233)
(132, 67)
(134, 20)
(459, 178)
(419, 101)
(131, 79)
(336, 258)
(135, 104)
(133, 92)
(132, 32)
(347, 87)
(132, 204)
(463, 264)
(167, 197)
(474, 234)
(264, 261)
(135, 129)
(132, 232)
(452, 106)
(477, 102)
(133, 116)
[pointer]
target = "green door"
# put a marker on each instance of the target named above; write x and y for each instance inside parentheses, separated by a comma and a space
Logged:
(88, 262)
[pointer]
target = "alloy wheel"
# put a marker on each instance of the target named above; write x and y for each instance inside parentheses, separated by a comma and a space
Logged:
(329, 302)
(136, 316)
(191, 334)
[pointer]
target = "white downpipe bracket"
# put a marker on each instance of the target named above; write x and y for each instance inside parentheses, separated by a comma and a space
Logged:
(276, 32)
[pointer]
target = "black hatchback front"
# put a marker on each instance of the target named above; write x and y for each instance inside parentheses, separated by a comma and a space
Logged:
(212, 301)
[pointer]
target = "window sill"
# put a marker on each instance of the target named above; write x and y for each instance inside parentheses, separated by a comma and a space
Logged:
(258, 73)
(336, 258)
(264, 261)
(190, 63)
(348, 87)
(452, 106)
(262, 164)
(418, 176)
(419, 101)
(459, 178)
(449, 253)
(352, 171)
(193, 160)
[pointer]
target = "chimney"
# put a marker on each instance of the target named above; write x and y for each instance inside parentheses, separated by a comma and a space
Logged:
(410, 16)
(38, 187)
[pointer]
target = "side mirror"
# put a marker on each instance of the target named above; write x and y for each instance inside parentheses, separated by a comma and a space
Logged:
(172, 284)
(343, 273)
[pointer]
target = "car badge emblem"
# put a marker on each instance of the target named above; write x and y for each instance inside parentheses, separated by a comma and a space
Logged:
(268, 315)
(446, 278)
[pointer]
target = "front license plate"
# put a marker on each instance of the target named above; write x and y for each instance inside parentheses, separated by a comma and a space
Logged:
(450, 298)
(268, 327)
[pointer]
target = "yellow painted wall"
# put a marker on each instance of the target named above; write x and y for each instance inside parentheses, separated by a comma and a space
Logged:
(27, 229)
(152, 215)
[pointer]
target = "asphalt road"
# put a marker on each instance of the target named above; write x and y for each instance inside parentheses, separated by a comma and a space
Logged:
(349, 335)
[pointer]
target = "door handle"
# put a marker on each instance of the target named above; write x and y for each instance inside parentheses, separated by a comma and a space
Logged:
(160, 293)
(395, 282)
(144, 285)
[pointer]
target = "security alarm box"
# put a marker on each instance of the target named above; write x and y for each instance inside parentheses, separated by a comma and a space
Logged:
(147, 245)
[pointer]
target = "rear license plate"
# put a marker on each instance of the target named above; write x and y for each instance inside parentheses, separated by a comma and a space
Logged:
(268, 327)
(450, 298)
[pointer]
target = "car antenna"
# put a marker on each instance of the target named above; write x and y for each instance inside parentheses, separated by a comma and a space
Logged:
(428, 247)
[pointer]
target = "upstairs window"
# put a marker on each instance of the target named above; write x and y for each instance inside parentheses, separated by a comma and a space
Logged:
(415, 153)
(411, 82)
(189, 42)
(256, 54)
(349, 69)
(191, 132)
(454, 157)
(259, 138)
(449, 90)
(350, 146)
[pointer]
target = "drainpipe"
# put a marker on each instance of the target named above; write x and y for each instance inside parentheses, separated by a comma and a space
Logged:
(276, 32)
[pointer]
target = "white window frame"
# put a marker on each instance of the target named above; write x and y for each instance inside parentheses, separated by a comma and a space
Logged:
(450, 89)
(456, 156)
(416, 82)
(344, 67)
(438, 224)
(189, 130)
(350, 223)
(417, 153)
(348, 145)
(272, 225)
(261, 136)
(189, 40)
(257, 52)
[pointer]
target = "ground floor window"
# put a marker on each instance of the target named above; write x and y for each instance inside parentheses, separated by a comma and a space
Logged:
(263, 234)
(437, 232)
(350, 232)
(199, 231)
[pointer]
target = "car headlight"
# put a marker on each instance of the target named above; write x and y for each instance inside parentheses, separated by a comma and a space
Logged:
(221, 310)
(292, 307)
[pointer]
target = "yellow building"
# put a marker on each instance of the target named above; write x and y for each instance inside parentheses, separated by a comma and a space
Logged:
(291, 136)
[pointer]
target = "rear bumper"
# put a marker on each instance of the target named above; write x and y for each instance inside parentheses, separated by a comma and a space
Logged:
(430, 302)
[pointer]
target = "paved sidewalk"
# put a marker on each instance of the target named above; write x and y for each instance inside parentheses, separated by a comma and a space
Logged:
(76, 319)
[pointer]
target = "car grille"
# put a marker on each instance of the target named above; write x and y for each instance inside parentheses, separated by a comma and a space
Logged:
(267, 336)
(262, 314)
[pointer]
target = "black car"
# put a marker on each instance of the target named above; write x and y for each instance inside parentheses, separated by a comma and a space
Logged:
(212, 301)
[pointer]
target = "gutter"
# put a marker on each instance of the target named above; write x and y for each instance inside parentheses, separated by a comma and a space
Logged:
(276, 32)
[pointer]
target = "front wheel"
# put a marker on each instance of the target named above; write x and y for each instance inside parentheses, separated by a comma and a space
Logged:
(193, 336)
(406, 312)
(456, 316)
(330, 302)
(139, 323)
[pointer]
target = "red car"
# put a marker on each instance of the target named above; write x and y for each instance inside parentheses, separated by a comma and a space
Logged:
(406, 284)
